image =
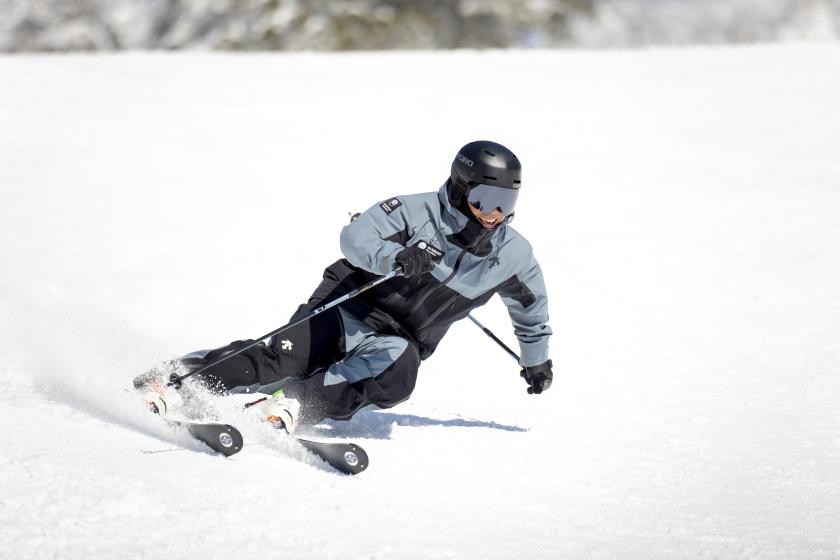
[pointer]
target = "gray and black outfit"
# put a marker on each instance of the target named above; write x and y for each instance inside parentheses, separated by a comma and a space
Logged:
(368, 349)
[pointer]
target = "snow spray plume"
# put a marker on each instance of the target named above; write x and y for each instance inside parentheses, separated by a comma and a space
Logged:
(59, 355)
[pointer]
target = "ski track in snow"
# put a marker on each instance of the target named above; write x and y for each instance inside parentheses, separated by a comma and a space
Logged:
(683, 205)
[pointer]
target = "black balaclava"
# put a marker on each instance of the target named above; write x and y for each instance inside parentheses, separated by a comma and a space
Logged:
(473, 236)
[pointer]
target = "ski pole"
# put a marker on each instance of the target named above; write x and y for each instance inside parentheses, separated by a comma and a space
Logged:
(489, 333)
(175, 380)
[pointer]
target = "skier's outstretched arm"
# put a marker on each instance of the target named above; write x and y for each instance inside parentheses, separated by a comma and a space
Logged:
(527, 303)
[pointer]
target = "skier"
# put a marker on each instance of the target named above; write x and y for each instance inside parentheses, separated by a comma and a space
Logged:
(454, 249)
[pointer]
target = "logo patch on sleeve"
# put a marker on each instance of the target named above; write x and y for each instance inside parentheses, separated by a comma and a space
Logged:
(390, 205)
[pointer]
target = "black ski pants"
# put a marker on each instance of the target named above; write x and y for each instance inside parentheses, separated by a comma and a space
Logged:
(333, 364)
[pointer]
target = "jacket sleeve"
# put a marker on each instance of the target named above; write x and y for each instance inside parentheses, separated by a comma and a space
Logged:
(373, 239)
(527, 302)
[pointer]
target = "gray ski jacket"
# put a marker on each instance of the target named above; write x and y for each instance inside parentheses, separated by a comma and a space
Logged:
(472, 265)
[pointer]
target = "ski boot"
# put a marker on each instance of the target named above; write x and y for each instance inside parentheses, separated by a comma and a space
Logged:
(151, 388)
(281, 412)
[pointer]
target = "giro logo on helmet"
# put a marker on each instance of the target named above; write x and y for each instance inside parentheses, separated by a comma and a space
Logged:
(465, 160)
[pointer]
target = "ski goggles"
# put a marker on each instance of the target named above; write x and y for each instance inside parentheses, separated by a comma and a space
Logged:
(486, 198)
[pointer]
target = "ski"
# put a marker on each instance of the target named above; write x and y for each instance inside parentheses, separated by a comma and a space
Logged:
(347, 458)
(221, 438)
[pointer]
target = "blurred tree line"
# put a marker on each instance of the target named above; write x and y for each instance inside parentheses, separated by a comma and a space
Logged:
(59, 25)
(284, 24)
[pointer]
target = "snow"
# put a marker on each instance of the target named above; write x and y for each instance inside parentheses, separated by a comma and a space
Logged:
(684, 205)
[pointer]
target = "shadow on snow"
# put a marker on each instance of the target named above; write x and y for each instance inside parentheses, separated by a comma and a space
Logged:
(379, 425)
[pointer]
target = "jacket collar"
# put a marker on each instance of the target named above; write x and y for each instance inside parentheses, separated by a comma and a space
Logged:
(455, 219)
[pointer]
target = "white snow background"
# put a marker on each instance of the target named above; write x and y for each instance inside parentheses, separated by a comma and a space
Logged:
(685, 208)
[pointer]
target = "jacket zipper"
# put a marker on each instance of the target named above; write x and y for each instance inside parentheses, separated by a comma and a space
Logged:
(429, 294)
(413, 309)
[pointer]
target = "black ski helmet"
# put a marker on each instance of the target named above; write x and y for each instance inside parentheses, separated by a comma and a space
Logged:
(483, 164)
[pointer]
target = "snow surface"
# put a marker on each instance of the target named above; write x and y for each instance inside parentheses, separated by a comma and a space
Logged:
(684, 204)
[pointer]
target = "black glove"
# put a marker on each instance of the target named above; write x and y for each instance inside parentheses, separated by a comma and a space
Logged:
(538, 377)
(415, 260)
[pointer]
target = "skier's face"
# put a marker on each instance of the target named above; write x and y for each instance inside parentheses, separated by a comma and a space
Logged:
(488, 220)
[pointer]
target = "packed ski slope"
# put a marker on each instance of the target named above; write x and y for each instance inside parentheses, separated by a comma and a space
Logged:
(684, 205)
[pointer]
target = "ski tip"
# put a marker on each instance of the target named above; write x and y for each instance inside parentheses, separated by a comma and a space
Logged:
(221, 438)
(346, 458)
(230, 441)
(356, 459)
